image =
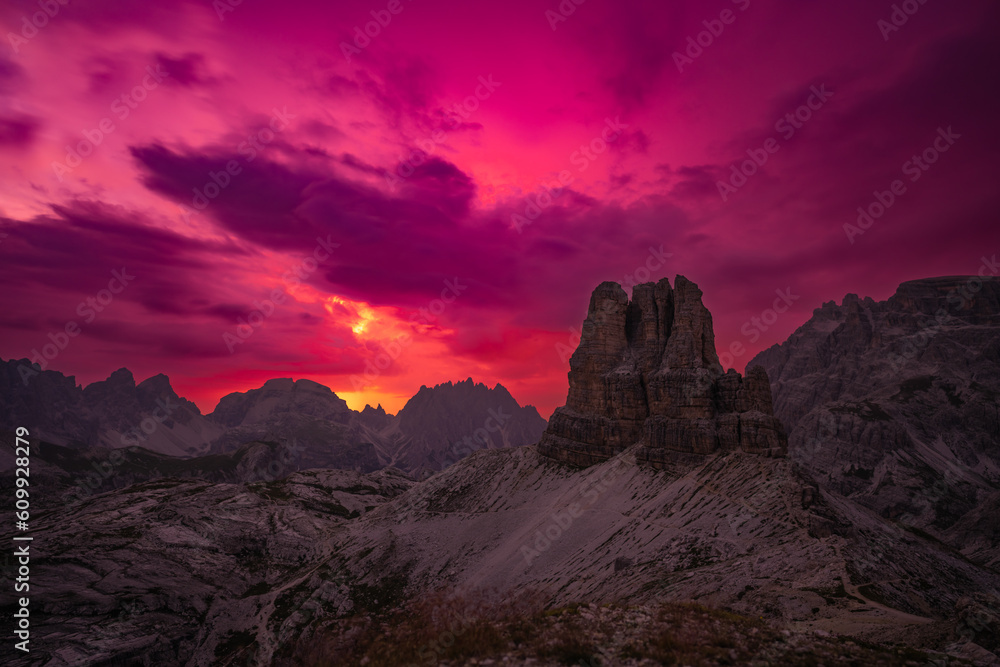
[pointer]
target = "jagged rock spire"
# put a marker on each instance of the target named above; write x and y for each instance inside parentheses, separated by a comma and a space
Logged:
(646, 370)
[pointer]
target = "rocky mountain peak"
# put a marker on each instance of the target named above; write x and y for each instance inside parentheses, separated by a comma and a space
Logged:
(970, 298)
(156, 392)
(121, 381)
(280, 396)
(441, 424)
(692, 337)
(646, 370)
(895, 403)
(158, 383)
(375, 418)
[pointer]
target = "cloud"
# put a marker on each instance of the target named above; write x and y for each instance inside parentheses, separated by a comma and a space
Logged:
(18, 131)
(188, 70)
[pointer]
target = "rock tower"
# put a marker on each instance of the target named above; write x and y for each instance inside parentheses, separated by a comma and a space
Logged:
(646, 371)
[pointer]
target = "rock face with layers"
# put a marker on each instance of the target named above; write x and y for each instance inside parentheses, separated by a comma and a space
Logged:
(647, 370)
(896, 405)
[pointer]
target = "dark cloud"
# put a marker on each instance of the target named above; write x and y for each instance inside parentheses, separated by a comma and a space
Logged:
(18, 131)
(187, 70)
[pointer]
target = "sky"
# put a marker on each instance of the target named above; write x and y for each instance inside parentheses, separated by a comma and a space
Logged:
(381, 195)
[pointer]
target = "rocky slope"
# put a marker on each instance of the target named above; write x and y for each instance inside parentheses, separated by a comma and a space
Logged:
(896, 405)
(70, 475)
(646, 370)
(484, 631)
(186, 572)
(172, 571)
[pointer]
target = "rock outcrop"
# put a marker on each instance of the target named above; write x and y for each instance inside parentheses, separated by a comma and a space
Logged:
(894, 404)
(646, 370)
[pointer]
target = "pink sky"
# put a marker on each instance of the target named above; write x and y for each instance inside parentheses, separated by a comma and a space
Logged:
(423, 269)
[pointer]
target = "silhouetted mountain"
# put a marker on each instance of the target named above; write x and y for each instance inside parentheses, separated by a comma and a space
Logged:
(374, 418)
(279, 398)
(110, 413)
(442, 424)
(436, 428)
(304, 413)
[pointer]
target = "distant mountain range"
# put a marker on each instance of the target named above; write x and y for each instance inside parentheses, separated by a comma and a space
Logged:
(149, 421)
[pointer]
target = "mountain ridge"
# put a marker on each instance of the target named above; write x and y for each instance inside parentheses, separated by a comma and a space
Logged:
(118, 413)
(895, 404)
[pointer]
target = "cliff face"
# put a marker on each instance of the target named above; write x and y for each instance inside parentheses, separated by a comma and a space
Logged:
(646, 371)
(895, 404)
